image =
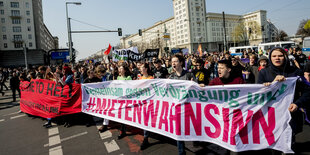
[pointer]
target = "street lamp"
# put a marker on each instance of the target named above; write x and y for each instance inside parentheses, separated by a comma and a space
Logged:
(69, 29)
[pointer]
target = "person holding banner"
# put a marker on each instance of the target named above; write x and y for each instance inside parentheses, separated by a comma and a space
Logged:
(226, 74)
(277, 71)
(146, 74)
(179, 73)
(104, 76)
(92, 78)
(67, 79)
(124, 74)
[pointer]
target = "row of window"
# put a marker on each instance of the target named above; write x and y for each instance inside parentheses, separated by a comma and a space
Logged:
(17, 45)
(15, 12)
(221, 24)
(14, 4)
(15, 21)
(16, 28)
(4, 37)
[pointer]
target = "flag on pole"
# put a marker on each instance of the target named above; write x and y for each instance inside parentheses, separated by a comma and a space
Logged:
(200, 50)
(106, 52)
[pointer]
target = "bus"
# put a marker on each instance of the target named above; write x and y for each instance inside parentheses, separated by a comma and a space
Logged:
(306, 46)
(284, 44)
(238, 50)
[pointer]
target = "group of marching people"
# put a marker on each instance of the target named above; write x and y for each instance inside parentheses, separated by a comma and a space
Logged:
(206, 70)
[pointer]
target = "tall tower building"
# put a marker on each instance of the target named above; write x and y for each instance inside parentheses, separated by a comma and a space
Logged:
(21, 24)
(190, 20)
(17, 25)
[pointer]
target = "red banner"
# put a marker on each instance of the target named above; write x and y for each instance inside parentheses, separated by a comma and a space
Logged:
(47, 99)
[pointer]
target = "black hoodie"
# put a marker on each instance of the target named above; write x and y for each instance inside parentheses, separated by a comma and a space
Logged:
(268, 75)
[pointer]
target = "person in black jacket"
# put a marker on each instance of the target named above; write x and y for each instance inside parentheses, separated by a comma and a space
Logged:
(14, 84)
(201, 74)
(278, 70)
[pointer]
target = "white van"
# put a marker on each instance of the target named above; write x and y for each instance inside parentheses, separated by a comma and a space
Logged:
(238, 50)
(306, 46)
(284, 44)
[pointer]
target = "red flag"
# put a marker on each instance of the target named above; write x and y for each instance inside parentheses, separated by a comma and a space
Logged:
(106, 52)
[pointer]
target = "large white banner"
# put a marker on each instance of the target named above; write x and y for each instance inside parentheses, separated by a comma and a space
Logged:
(236, 117)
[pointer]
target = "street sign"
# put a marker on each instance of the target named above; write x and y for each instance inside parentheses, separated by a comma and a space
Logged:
(61, 55)
(166, 36)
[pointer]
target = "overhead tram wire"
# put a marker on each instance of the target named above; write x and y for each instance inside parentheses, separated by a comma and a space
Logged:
(90, 24)
(264, 2)
(284, 6)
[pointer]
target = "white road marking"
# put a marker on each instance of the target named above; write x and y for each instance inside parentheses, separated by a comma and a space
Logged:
(13, 113)
(2, 120)
(74, 136)
(55, 151)
(65, 139)
(18, 116)
(106, 134)
(53, 131)
(111, 146)
(54, 140)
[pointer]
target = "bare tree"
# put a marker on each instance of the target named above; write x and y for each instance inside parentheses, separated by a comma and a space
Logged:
(281, 35)
(244, 32)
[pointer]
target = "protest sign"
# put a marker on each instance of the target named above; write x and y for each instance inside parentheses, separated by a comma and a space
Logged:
(122, 54)
(47, 99)
(236, 117)
(150, 53)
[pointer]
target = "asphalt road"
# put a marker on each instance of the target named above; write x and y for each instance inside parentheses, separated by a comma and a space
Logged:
(23, 134)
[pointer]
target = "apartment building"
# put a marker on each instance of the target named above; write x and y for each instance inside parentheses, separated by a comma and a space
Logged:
(22, 26)
(191, 25)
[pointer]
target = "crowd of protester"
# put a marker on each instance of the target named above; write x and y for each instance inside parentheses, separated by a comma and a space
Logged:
(208, 69)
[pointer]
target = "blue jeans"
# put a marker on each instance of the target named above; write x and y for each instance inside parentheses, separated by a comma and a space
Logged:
(49, 120)
(181, 147)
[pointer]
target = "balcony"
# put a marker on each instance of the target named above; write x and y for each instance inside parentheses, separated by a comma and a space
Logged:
(16, 16)
(17, 40)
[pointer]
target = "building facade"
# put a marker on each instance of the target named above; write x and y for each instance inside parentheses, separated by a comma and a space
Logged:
(191, 25)
(22, 26)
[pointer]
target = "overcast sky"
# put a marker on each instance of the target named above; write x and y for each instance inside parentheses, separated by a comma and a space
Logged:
(131, 15)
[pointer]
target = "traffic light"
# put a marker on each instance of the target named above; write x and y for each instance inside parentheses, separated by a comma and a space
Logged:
(263, 29)
(119, 31)
(250, 30)
(140, 32)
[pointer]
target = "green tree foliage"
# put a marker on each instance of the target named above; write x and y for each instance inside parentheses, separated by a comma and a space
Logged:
(304, 28)
(307, 25)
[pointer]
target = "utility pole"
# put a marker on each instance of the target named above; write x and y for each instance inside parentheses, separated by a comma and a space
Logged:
(158, 40)
(225, 42)
(69, 30)
(25, 54)
(166, 48)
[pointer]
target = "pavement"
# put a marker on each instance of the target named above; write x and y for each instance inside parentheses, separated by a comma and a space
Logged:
(24, 134)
